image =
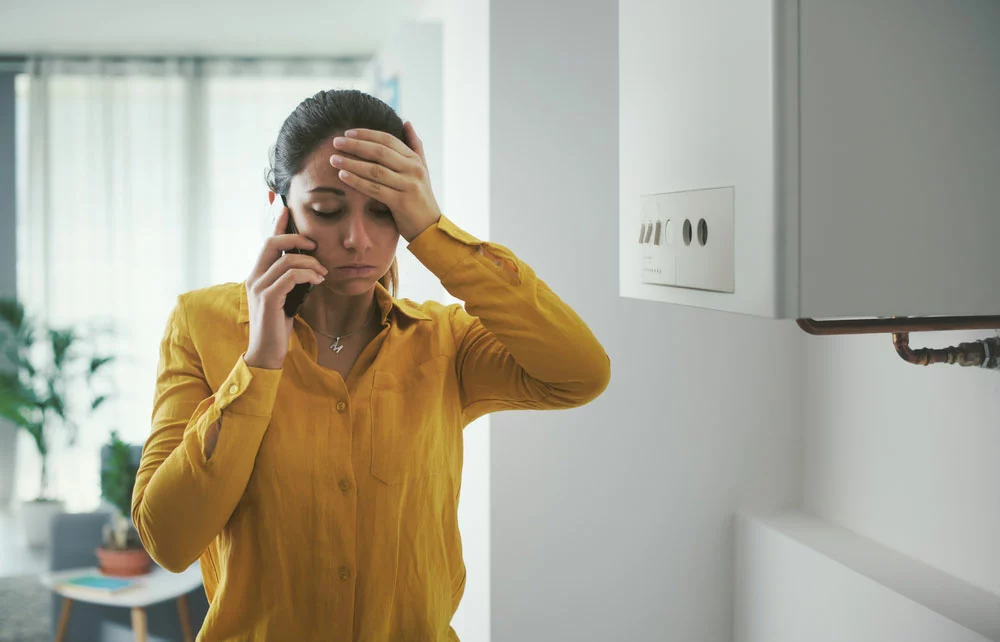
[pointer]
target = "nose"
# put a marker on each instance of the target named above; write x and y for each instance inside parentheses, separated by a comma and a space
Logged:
(356, 235)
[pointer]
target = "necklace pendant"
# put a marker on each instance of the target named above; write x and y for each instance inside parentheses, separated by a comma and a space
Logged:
(336, 347)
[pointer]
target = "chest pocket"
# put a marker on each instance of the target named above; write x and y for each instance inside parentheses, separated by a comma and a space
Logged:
(408, 438)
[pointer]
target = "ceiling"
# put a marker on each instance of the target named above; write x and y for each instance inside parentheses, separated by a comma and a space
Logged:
(312, 28)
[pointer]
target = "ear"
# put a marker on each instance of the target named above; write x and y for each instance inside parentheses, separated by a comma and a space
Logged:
(270, 197)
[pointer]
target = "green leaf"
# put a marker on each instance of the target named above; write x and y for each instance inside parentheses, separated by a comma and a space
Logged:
(10, 383)
(27, 336)
(118, 476)
(18, 361)
(97, 362)
(17, 402)
(12, 313)
(55, 402)
(12, 353)
(36, 389)
(61, 342)
(16, 415)
(37, 432)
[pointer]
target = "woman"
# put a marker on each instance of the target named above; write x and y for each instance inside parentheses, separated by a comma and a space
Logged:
(313, 463)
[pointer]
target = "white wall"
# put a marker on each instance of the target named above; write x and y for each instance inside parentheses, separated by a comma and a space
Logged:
(615, 521)
(802, 579)
(462, 190)
(195, 27)
(413, 56)
(904, 454)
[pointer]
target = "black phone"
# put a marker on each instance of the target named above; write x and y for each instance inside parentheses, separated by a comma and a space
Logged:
(295, 298)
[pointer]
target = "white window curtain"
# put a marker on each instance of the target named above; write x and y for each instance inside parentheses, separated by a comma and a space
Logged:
(139, 180)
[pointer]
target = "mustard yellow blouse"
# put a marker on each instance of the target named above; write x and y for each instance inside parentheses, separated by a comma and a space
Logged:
(329, 508)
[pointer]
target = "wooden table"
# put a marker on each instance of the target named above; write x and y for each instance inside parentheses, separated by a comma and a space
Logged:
(157, 586)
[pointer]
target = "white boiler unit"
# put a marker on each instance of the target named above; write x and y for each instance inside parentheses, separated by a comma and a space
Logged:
(811, 158)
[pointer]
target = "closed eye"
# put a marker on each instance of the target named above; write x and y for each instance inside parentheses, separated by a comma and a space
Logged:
(322, 214)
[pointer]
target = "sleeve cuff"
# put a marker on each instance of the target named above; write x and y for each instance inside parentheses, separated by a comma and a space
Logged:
(442, 246)
(249, 391)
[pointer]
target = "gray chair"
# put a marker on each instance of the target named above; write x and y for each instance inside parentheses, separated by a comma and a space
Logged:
(74, 538)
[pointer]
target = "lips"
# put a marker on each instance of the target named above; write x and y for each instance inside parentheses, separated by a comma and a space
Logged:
(356, 271)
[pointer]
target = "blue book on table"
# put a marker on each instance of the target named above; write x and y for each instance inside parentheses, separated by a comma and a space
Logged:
(101, 583)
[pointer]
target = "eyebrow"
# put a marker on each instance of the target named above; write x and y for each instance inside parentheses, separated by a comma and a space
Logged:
(333, 190)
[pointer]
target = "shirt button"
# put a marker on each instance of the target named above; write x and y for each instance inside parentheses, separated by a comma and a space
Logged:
(341, 407)
(344, 485)
(233, 388)
(344, 573)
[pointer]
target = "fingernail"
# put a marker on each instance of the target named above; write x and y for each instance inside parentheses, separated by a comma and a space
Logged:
(344, 174)
(339, 141)
(336, 160)
(351, 132)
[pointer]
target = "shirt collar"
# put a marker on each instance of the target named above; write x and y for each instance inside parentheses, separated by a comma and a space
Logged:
(386, 304)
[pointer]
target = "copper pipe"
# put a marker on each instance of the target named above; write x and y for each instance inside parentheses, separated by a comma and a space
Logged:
(898, 324)
(984, 353)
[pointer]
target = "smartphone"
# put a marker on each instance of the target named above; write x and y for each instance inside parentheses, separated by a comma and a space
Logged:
(295, 298)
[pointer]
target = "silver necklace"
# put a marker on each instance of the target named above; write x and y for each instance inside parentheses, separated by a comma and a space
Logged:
(336, 345)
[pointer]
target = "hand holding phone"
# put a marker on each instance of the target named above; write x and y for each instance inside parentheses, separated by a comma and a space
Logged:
(295, 298)
(284, 267)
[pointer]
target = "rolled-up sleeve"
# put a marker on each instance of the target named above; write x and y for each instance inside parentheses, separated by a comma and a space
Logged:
(518, 344)
(182, 499)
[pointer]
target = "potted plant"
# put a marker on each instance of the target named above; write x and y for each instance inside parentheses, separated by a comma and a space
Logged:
(43, 371)
(122, 553)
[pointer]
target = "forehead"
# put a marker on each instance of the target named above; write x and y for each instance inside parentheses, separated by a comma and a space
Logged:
(317, 170)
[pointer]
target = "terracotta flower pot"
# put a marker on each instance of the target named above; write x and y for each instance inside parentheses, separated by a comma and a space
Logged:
(123, 563)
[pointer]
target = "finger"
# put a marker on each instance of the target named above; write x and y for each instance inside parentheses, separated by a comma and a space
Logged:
(385, 195)
(413, 141)
(273, 248)
(372, 171)
(278, 290)
(375, 151)
(288, 263)
(383, 138)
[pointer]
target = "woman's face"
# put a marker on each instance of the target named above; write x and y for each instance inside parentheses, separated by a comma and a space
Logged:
(349, 228)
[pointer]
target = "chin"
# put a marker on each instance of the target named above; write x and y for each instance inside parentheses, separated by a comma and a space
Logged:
(351, 287)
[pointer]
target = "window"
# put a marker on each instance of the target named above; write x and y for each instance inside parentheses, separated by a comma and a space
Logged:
(136, 182)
